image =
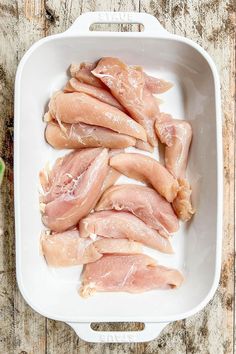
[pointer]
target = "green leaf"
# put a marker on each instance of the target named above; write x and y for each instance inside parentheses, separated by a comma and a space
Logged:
(2, 169)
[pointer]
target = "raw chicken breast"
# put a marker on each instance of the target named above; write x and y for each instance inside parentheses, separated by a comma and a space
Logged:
(111, 177)
(146, 169)
(176, 153)
(128, 86)
(79, 107)
(145, 146)
(154, 84)
(80, 135)
(123, 225)
(133, 274)
(83, 73)
(74, 195)
(182, 204)
(65, 170)
(69, 249)
(177, 136)
(144, 203)
(117, 246)
(101, 94)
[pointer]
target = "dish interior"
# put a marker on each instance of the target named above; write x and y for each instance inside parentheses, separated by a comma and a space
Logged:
(54, 292)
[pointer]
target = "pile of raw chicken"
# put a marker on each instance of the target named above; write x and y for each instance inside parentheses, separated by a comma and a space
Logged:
(106, 107)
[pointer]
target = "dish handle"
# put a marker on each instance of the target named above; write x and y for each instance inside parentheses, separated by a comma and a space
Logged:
(84, 21)
(151, 331)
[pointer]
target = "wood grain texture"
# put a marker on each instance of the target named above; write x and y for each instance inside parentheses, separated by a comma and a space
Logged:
(212, 25)
(8, 63)
(21, 329)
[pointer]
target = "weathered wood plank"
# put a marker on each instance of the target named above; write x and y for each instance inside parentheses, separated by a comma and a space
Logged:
(212, 25)
(21, 329)
(8, 62)
(29, 327)
(212, 330)
(61, 14)
(6, 311)
(173, 337)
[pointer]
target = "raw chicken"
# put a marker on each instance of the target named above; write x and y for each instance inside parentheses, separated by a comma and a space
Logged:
(101, 94)
(121, 225)
(83, 73)
(132, 273)
(177, 136)
(53, 182)
(144, 203)
(69, 249)
(79, 107)
(182, 204)
(64, 171)
(80, 135)
(75, 194)
(154, 84)
(128, 86)
(111, 177)
(145, 146)
(117, 246)
(146, 169)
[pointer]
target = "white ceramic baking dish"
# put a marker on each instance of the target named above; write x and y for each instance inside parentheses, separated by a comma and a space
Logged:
(195, 97)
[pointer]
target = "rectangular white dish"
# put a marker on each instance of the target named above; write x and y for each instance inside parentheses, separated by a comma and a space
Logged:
(195, 97)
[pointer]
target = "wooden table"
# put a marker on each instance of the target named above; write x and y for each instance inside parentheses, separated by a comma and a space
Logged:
(212, 25)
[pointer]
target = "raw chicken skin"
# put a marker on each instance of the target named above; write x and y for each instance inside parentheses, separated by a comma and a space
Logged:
(78, 194)
(148, 170)
(144, 203)
(77, 107)
(121, 225)
(69, 249)
(101, 94)
(132, 273)
(177, 136)
(128, 86)
(80, 135)
(83, 73)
